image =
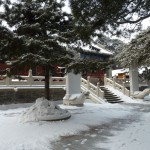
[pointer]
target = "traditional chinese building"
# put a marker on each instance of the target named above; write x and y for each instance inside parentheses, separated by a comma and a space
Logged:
(94, 52)
(99, 53)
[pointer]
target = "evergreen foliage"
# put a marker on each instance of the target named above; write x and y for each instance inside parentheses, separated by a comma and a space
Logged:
(111, 44)
(38, 32)
(38, 35)
(145, 74)
(137, 50)
(107, 15)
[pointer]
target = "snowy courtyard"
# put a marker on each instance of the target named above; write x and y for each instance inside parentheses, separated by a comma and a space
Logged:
(74, 75)
(105, 126)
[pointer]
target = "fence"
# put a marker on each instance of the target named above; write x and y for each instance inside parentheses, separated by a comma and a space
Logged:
(122, 88)
(30, 80)
(92, 88)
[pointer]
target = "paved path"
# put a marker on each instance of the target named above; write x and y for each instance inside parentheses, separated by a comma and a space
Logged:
(86, 140)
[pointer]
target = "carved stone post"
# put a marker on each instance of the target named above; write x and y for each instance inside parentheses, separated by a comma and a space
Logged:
(88, 82)
(123, 90)
(97, 90)
(8, 79)
(133, 74)
(124, 78)
(30, 77)
(114, 82)
(73, 90)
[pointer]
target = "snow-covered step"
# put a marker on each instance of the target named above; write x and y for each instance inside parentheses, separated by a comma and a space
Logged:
(110, 97)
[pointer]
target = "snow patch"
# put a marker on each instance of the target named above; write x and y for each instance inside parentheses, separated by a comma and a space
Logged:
(44, 110)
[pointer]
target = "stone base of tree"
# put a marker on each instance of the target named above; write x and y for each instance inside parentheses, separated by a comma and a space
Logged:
(44, 110)
(75, 99)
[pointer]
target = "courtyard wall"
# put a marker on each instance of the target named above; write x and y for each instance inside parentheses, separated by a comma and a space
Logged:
(27, 95)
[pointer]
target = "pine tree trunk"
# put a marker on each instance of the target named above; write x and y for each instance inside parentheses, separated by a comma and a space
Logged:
(47, 90)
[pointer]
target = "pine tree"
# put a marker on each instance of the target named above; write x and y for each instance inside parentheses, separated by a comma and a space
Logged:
(111, 44)
(138, 49)
(39, 34)
(106, 16)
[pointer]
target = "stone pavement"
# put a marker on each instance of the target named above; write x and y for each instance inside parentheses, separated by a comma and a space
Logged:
(86, 140)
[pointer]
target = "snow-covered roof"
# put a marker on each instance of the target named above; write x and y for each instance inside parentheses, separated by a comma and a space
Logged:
(115, 72)
(97, 48)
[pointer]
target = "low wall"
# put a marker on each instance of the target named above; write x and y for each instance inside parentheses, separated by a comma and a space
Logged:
(9, 95)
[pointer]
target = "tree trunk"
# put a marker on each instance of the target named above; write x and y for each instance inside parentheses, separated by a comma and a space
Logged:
(47, 89)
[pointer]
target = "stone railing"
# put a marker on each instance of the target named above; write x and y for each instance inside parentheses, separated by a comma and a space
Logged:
(92, 88)
(30, 80)
(115, 85)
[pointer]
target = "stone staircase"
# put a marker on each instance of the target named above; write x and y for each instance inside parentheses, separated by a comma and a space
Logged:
(110, 97)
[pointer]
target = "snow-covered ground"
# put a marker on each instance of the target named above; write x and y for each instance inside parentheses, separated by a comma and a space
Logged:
(16, 135)
(134, 137)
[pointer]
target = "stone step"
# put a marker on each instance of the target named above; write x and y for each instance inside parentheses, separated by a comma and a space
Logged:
(104, 88)
(108, 92)
(115, 102)
(110, 97)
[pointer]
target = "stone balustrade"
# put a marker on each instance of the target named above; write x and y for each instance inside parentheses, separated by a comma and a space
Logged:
(92, 88)
(38, 81)
(30, 80)
(115, 85)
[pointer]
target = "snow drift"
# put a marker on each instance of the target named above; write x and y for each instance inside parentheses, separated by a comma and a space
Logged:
(44, 110)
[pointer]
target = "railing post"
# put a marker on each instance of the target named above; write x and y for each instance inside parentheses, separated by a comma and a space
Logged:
(30, 77)
(114, 82)
(97, 90)
(88, 82)
(7, 80)
(124, 78)
(105, 79)
(123, 90)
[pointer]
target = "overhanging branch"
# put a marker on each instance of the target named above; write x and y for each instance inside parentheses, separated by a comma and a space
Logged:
(133, 21)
